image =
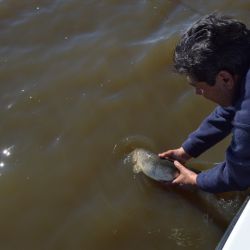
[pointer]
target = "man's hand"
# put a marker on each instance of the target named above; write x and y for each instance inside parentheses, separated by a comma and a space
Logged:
(178, 154)
(186, 176)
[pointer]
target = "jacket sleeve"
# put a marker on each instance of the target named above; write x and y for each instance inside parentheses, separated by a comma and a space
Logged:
(212, 130)
(234, 172)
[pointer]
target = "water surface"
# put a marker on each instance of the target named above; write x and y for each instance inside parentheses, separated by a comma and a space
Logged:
(82, 83)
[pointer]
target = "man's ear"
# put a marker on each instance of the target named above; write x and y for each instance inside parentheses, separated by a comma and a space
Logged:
(226, 79)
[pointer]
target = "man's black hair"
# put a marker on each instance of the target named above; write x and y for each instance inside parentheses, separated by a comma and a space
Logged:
(212, 44)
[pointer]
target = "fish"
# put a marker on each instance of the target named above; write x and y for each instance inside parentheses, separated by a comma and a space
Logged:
(156, 168)
(163, 171)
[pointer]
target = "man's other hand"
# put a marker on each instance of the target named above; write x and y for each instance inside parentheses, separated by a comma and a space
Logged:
(186, 176)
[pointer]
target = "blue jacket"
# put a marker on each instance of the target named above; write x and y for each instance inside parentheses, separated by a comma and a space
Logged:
(234, 172)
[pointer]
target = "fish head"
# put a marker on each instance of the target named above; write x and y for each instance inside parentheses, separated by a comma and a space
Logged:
(139, 155)
(139, 158)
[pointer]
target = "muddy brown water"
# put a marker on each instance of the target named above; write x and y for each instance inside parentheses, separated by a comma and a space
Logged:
(82, 83)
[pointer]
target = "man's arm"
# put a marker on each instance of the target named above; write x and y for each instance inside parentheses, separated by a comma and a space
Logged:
(234, 172)
(212, 130)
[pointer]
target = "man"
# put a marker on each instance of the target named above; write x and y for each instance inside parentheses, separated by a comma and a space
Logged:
(214, 54)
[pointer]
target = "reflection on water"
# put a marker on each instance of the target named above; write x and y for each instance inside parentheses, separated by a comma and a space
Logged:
(82, 84)
(6, 151)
